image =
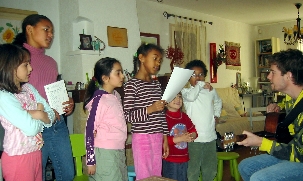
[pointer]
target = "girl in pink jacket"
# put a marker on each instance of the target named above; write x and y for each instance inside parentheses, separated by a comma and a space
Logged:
(106, 129)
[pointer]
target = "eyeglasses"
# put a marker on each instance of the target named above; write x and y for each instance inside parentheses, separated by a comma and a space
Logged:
(199, 75)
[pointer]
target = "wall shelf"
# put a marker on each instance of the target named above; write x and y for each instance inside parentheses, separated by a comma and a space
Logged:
(84, 52)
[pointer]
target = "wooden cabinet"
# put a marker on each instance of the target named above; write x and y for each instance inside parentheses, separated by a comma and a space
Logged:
(264, 48)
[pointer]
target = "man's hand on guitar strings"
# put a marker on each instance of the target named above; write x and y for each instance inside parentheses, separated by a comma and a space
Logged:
(273, 107)
(251, 140)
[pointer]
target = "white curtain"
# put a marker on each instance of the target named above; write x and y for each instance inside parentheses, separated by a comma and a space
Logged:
(190, 36)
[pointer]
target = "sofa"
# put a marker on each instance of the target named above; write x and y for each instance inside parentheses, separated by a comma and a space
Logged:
(233, 118)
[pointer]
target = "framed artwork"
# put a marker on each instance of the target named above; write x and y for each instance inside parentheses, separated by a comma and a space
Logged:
(238, 79)
(86, 42)
(117, 37)
(213, 68)
(263, 76)
(10, 23)
(232, 50)
(150, 38)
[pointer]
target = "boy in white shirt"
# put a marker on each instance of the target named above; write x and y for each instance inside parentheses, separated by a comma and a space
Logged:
(203, 106)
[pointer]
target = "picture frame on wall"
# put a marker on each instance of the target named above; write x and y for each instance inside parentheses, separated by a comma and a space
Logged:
(150, 38)
(117, 37)
(86, 42)
(10, 23)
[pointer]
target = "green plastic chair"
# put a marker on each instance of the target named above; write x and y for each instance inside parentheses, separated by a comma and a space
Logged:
(78, 149)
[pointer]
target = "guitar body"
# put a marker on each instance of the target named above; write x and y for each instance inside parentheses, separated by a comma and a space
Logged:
(272, 130)
(272, 120)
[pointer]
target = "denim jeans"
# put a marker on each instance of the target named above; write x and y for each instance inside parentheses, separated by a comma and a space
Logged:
(57, 147)
(266, 167)
(173, 170)
(202, 156)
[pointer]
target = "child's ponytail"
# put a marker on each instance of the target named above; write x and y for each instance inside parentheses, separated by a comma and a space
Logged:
(20, 39)
(136, 63)
(91, 88)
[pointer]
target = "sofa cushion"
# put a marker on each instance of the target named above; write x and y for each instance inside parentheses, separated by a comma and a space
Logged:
(230, 99)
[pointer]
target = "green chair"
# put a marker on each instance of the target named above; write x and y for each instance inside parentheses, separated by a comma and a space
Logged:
(233, 164)
(78, 149)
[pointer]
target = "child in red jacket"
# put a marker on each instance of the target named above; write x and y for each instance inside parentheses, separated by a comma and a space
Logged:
(181, 131)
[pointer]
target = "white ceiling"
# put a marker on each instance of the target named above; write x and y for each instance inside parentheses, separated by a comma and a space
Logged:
(254, 12)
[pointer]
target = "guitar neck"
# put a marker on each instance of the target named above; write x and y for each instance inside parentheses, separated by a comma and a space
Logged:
(241, 137)
(227, 142)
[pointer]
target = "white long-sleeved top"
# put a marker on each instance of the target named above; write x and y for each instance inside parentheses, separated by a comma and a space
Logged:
(201, 106)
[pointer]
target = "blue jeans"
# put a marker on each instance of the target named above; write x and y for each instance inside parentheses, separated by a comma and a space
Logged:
(57, 147)
(266, 167)
(176, 171)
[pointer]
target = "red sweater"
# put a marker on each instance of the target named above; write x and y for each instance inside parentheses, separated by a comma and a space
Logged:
(178, 123)
(45, 70)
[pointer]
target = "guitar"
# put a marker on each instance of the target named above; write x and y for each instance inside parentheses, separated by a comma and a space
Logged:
(272, 130)
(228, 141)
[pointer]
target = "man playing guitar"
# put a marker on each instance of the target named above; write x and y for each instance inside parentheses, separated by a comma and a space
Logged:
(283, 161)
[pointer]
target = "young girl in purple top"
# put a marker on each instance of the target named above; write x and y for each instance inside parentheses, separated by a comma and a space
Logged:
(106, 129)
(37, 34)
(143, 108)
(23, 114)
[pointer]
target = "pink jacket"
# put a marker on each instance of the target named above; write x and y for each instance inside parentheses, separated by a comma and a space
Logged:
(107, 119)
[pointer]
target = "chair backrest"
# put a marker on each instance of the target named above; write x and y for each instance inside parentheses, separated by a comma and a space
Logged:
(253, 116)
(78, 149)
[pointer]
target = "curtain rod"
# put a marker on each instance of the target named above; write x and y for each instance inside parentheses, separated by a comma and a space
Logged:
(167, 15)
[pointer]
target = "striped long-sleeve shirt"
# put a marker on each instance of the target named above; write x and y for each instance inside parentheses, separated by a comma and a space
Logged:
(138, 96)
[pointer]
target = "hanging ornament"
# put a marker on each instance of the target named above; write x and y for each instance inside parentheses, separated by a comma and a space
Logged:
(175, 55)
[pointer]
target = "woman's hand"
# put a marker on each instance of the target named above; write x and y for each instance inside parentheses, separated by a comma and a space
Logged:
(69, 106)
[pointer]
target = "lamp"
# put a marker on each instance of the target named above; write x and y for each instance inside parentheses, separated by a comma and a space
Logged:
(294, 35)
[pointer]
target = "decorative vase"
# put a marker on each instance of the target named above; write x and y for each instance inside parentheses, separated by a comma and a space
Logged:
(254, 83)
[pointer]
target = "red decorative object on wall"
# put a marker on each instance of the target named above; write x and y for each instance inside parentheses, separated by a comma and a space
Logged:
(175, 55)
(213, 67)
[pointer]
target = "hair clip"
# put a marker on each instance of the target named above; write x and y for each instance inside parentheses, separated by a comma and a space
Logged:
(146, 43)
(136, 54)
(96, 81)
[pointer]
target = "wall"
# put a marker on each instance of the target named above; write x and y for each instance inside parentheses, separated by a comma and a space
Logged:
(115, 13)
(47, 8)
(275, 30)
(151, 20)
(99, 15)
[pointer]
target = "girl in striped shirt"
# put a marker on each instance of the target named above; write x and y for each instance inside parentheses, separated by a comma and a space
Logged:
(143, 108)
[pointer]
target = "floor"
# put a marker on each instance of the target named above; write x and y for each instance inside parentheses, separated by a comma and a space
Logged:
(244, 152)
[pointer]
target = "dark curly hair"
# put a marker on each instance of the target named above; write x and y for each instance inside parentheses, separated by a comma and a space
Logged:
(144, 49)
(290, 60)
(197, 63)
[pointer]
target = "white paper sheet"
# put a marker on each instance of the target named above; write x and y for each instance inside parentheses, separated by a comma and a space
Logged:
(56, 94)
(177, 81)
